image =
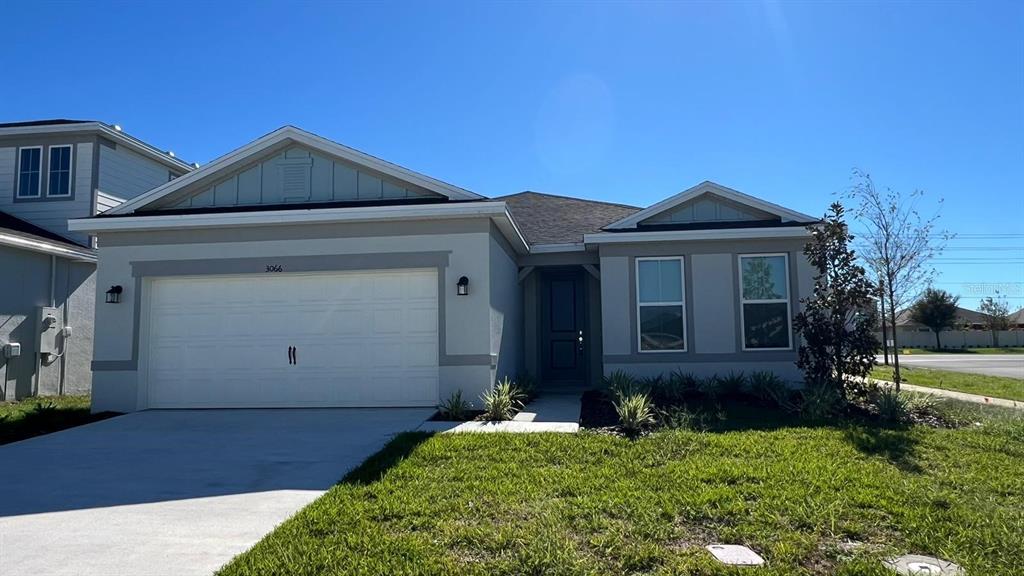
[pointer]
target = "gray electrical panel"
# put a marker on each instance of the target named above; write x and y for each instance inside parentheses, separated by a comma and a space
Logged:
(48, 326)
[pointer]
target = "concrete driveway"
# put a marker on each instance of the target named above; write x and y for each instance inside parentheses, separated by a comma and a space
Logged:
(160, 493)
(1008, 365)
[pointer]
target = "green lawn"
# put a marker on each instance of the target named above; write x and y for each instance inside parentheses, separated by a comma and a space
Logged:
(811, 500)
(42, 415)
(993, 386)
(911, 351)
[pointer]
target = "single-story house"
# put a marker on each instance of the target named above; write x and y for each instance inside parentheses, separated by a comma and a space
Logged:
(295, 271)
(966, 319)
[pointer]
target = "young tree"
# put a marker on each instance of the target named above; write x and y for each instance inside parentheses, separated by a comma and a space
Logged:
(898, 245)
(837, 324)
(935, 309)
(997, 316)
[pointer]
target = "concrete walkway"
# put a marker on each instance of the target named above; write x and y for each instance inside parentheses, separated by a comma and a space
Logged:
(954, 395)
(548, 413)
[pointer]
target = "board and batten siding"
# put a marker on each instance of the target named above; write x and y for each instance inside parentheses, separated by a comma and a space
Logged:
(296, 175)
(126, 174)
(50, 213)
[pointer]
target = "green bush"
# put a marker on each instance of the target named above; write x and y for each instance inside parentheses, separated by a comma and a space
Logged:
(892, 405)
(732, 384)
(454, 408)
(770, 389)
(674, 390)
(503, 401)
(621, 384)
(819, 402)
(636, 413)
(527, 385)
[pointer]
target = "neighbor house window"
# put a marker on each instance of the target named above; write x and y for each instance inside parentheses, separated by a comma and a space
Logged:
(30, 162)
(661, 314)
(764, 301)
(59, 170)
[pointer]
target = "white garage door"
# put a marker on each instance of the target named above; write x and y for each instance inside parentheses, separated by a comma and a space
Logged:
(359, 339)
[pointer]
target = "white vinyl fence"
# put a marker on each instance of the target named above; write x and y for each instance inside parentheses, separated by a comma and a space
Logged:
(958, 339)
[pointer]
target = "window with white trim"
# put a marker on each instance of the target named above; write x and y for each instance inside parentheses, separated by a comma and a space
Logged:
(30, 167)
(764, 301)
(59, 171)
(660, 308)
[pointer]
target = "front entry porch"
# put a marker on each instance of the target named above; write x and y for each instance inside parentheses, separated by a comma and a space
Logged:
(563, 327)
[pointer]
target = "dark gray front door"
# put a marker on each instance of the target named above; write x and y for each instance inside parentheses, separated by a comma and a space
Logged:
(563, 349)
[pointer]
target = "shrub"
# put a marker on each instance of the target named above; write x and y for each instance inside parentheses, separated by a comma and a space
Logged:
(454, 408)
(732, 384)
(621, 384)
(922, 403)
(503, 401)
(819, 402)
(674, 390)
(682, 418)
(769, 388)
(710, 386)
(527, 385)
(892, 405)
(635, 413)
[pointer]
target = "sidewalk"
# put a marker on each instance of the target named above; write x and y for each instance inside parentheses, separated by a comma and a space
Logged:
(548, 413)
(954, 395)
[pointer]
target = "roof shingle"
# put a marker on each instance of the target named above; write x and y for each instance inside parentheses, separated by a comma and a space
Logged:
(550, 219)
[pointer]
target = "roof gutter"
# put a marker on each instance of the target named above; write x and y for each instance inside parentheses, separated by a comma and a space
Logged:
(44, 247)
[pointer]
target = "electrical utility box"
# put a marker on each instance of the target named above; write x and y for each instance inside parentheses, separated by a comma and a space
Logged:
(48, 326)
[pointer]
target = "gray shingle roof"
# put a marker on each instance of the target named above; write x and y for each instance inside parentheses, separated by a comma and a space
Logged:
(550, 219)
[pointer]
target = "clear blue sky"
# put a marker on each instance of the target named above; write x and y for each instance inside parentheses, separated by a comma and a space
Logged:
(623, 102)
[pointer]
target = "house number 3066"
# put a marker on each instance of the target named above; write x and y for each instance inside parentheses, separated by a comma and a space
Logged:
(274, 268)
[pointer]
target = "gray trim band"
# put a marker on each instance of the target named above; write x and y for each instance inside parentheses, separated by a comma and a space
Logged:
(322, 263)
(684, 358)
(468, 360)
(115, 365)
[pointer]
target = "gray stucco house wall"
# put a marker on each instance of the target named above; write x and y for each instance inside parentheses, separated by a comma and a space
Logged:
(333, 242)
(45, 264)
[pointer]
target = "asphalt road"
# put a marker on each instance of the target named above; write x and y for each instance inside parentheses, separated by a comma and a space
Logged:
(1008, 365)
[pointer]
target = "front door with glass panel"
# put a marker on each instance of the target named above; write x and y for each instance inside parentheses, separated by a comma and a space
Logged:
(563, 346)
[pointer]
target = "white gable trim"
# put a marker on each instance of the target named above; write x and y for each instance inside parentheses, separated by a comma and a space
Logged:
(298, 136)
(708, 187)
(679, 235)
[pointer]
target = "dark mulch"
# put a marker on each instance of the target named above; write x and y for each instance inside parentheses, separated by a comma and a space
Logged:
(470, 415)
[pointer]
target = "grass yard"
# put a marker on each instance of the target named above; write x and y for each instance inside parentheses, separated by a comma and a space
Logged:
(993, 386)
(811, 500)
(42, 415)
(914, 351)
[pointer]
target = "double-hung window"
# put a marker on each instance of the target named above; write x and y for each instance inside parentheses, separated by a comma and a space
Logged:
(764, 301)
(30, 168)
(59, 169)
(661, 312)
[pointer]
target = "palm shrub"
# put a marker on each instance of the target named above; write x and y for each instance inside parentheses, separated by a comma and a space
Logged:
(503, 401)
(635, 413)
(674, 390)
(621, 384)
(732, 384)
(892, 405)
(819, 402)
(454, 408)
(527, 385)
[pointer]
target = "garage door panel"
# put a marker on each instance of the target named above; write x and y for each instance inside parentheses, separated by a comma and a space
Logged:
(362, 339)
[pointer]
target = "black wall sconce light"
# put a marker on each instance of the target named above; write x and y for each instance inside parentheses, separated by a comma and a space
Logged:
(462, 286)
(114, 295)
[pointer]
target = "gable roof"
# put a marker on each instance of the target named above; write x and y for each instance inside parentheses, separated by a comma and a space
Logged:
(551, 219)
(291, 135)
(108, 131)
(18, 233)
(707, 187)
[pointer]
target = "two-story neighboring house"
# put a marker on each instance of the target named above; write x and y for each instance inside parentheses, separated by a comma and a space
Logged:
(52, 171)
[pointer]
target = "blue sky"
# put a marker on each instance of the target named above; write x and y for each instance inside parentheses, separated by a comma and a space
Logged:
(625, 102)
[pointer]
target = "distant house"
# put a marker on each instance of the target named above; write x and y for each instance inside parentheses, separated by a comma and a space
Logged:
(965, 320)
(51, 171)
(1017, 320)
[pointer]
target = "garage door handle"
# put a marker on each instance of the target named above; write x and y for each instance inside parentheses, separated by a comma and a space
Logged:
(291, 355)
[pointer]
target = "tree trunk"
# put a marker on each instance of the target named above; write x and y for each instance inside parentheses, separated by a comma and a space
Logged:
(895, 344)
(885, 336)
(938, 343)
